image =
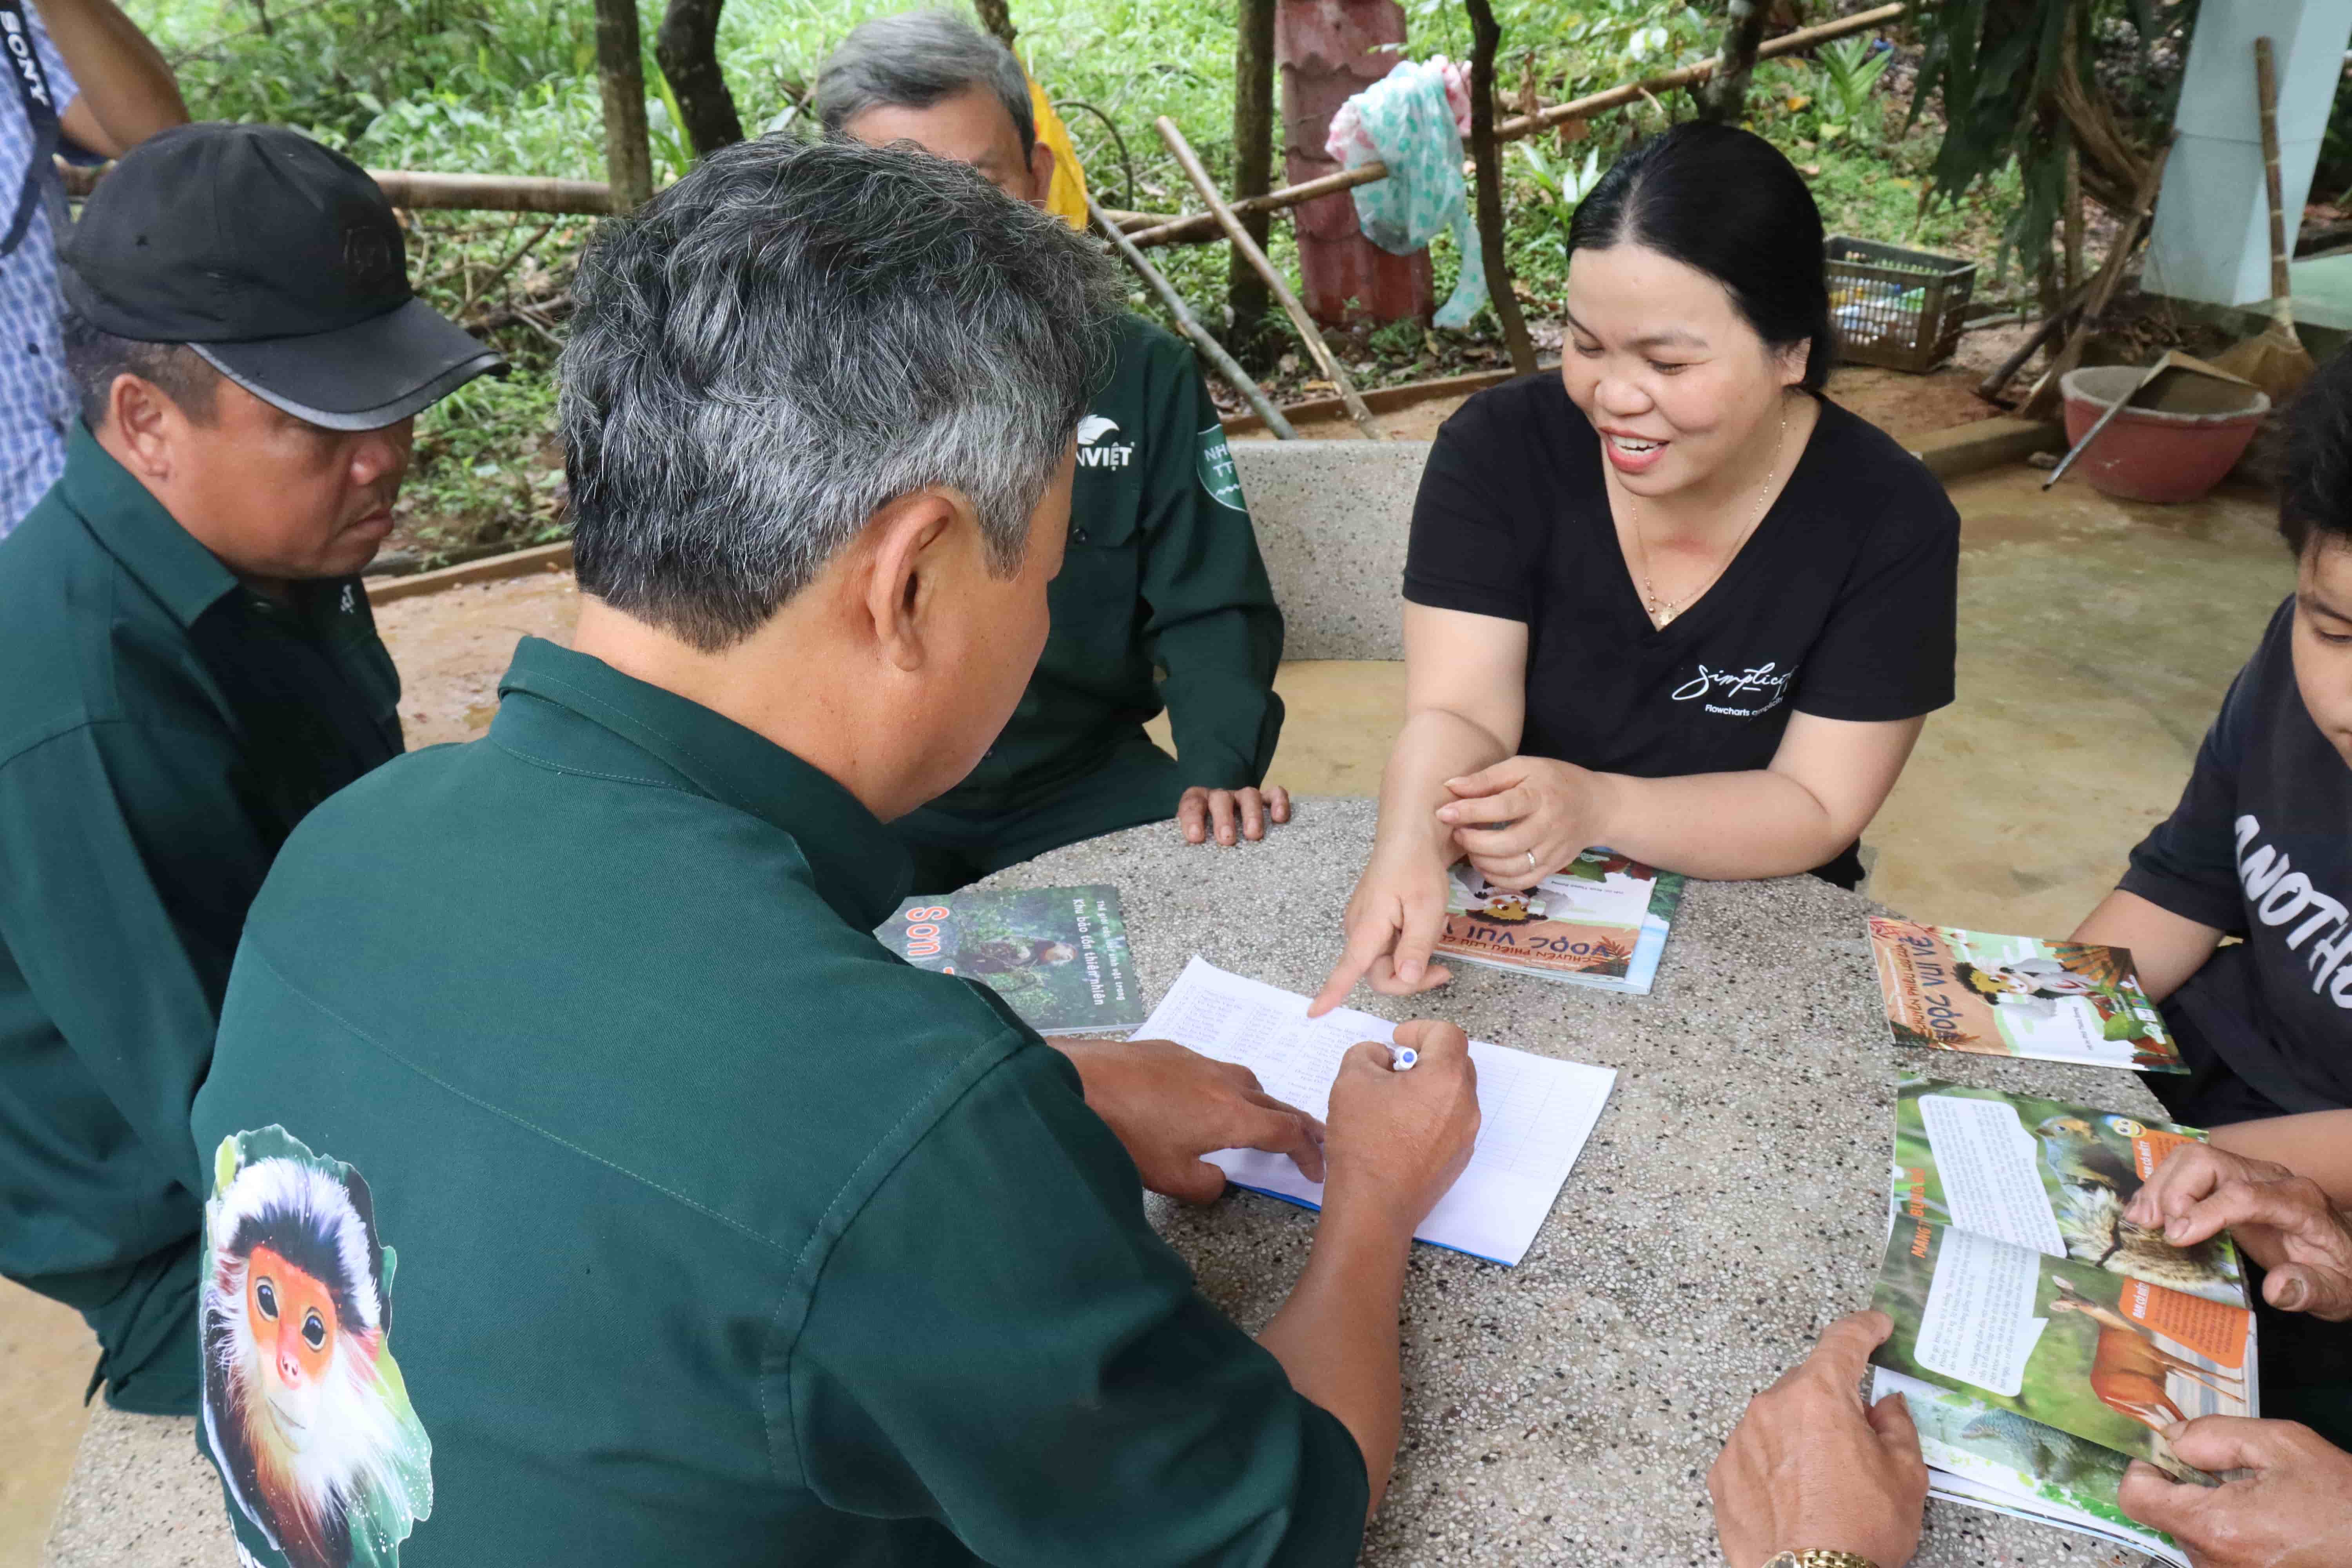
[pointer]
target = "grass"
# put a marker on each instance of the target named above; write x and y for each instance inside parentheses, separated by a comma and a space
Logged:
(509, 87)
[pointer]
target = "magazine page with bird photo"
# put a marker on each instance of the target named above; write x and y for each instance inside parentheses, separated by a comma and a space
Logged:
(2050, 1175)
(2103, 1357)
(1057, 955)
(1599, 921)
(1953, 990)
(2056, 1177)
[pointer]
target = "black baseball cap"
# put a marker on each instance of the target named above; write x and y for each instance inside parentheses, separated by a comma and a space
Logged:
(278, 260)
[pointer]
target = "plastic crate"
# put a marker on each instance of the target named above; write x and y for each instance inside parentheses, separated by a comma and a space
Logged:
(1894, 307)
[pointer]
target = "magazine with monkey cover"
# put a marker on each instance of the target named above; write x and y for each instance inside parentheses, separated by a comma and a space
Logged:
(1953, 990)
(1057, 955)
(1599, 921)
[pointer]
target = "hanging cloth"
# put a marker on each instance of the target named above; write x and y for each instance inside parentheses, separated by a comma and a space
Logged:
(1413, 120)
(1066, 197)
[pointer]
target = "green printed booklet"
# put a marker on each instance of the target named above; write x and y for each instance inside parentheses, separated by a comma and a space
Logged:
(1953, 990)
(2042, 1340)
(1599, 921)
(1057, 955)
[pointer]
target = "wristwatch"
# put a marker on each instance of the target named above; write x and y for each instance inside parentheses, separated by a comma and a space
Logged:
(1817, 1560)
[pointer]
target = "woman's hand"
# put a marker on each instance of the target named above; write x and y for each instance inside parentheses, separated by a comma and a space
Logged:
(2283, 1222)
(1393, 920)
(1524, 818)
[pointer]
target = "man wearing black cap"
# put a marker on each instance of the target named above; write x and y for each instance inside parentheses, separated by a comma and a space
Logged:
(191, 668)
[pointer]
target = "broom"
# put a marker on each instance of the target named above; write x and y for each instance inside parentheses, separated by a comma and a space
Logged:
(2276, 361)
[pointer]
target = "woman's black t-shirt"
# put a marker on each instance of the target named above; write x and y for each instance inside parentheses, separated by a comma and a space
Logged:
(1841, 605)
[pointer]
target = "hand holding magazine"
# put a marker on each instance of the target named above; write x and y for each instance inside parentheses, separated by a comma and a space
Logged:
(2040, 1340)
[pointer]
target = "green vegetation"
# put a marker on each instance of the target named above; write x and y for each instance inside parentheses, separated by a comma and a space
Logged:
(509, 87)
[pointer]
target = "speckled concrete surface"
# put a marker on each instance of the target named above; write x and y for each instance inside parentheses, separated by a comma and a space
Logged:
(141, 1496)
(1332, 519)
(1731, 1202)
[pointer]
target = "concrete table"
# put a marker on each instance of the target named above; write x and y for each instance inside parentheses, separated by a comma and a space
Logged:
(1732, 1200)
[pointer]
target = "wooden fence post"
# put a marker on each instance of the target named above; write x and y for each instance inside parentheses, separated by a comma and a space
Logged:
(620, 72)
(1246, 292)
(1488, 155)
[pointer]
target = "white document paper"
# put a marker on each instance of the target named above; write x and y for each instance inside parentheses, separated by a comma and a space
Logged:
(1535, 1111)
(1980, 1325)
(1991, 1169)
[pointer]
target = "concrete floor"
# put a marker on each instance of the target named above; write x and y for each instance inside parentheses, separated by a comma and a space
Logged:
(2096, 639)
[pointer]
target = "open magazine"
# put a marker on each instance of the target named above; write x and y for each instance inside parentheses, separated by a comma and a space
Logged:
(1954, 990)
(1599, 921)
(1057, 955)
(2042, 1340)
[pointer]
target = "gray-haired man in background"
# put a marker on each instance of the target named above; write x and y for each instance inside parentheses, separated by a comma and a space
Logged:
(1163, 600)
(723, 1236)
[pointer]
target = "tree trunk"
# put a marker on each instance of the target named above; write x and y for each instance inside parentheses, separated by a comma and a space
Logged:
(1487, 155)
(620, 72)
(996, 15)
(685, 46)
(1246, 292)
(1724, 94)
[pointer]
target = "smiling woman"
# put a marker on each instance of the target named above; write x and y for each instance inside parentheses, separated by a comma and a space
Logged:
(1672, 599)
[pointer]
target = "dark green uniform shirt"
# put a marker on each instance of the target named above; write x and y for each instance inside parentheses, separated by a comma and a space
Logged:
(1162, 574)
(722, 1236)
(161, 729)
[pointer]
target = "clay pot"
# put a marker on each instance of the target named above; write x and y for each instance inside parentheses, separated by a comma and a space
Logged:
(2172, 453)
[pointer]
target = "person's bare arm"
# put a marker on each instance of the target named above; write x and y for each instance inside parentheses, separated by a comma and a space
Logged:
(2166, 948)
(1827, 780)
(2316, 1146)
(127, 91)
(1397, 1141)
(1465, 700)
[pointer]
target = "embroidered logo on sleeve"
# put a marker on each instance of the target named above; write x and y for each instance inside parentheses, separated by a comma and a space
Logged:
(1094, 452)
(305, 1409)
(1216, 467)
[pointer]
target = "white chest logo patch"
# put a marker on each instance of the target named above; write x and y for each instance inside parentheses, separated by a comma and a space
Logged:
(1108, 455)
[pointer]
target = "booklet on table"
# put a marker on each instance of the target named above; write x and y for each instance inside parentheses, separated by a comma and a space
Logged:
(2040, 1340)
(1535, 1111)
(1057, 955)
(1599, 921)
(1954, 990)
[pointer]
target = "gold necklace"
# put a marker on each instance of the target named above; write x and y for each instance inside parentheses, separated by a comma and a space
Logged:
(1657, 606)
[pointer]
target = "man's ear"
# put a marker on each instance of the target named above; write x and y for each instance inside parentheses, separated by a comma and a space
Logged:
(912, 560)
(143, 418)
(1041, 173)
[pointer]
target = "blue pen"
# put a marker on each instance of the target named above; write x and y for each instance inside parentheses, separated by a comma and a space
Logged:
(1402, 1056)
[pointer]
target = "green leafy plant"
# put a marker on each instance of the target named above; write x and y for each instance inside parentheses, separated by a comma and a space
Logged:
(1560, 183)
(1849, 71)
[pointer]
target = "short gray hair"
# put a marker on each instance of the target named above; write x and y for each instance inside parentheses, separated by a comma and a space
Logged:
(96, 359)
(914, 59)
(796, 334)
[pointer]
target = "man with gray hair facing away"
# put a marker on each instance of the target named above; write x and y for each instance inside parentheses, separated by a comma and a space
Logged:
(1163, 600)
(723, 1236)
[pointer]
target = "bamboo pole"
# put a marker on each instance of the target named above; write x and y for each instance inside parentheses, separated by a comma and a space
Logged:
(1213, 350)
(2044, 400)
(1196, 226)
(1324, 359)
(422, 192)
